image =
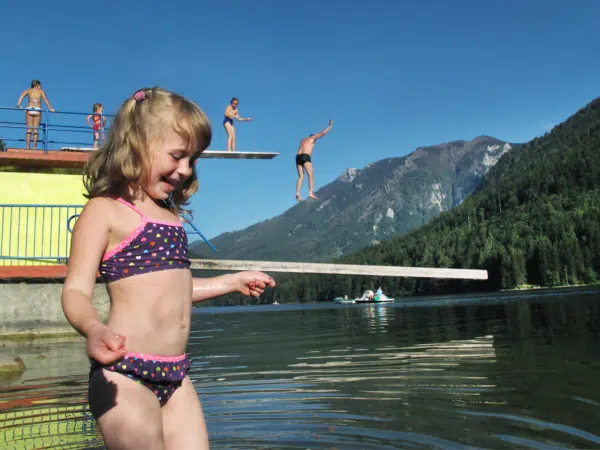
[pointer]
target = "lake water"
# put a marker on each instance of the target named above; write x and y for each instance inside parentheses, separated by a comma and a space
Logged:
(505, 371)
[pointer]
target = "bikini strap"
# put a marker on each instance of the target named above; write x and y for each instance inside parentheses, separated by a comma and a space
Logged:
(129, 205)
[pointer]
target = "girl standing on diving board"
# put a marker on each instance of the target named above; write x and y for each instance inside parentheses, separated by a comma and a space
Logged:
(231, 112)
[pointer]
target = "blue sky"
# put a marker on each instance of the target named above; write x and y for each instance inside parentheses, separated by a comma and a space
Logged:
(393, 75)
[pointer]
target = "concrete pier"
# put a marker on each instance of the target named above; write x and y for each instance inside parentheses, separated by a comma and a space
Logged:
(33, 310)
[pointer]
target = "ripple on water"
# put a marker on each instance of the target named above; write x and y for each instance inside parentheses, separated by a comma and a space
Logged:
(482, 375)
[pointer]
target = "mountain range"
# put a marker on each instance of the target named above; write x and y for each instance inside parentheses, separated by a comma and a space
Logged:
(365, 206)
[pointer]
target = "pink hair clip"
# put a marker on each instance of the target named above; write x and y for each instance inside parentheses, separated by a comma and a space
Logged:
(139, 96)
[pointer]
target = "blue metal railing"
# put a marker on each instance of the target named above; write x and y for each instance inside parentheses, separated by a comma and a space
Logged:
(61, 128)
(35, 234)
(41, 234)
(196, 230)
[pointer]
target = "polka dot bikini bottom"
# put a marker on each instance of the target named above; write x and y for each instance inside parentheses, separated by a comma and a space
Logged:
(161, 374)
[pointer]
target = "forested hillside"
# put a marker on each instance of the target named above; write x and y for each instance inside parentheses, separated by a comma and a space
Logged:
(365, 206)
(534, 219)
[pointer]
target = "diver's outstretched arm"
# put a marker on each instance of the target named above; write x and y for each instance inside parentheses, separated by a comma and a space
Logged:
(324, 132)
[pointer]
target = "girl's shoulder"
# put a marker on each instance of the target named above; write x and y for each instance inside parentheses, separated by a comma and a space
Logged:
(100, 207)
(96, 218)
(101, 202)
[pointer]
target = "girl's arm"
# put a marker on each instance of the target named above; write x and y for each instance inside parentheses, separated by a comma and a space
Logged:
(88, 242)
(47, 102)
(241, 119)
(247, 283)
(88, 120)
(22, 97)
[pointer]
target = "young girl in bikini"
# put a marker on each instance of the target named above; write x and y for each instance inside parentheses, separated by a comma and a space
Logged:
(33, 115)
(130, 232)
(231, 112)
(97, 121)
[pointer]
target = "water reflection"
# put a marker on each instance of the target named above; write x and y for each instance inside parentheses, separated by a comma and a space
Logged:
(500, 371)
(377, 316)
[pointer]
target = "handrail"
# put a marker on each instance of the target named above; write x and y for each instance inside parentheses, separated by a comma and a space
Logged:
(39, 234)
(48, 123)
(34, 234)
(196, 231)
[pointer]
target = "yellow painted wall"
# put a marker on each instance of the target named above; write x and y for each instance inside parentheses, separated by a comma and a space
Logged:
(41, 188)
(28, 231)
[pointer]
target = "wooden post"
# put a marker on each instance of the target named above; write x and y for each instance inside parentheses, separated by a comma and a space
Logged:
(339, 269)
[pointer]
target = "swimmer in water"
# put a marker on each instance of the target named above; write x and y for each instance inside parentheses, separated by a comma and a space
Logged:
(33, 114)
(304, 163)
(231, 112)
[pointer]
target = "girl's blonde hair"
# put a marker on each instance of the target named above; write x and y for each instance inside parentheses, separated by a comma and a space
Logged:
(122, 164)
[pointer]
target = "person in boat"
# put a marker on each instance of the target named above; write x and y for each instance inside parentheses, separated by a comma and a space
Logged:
(304, 162)
(231, 112)
(379, 292)
(33, 113)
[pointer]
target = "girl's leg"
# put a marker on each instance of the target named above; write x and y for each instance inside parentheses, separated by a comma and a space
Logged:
(29, 123)
(183, 421)
(96, 139)
(36, 125)
(127, 413)
(233, 138)
(230, 133)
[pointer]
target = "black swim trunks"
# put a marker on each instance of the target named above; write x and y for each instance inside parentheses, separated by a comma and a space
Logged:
(302, 158)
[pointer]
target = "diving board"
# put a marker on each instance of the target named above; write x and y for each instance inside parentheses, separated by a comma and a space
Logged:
(78, 149)
(340, 269)
(217, 154)
(222, 154)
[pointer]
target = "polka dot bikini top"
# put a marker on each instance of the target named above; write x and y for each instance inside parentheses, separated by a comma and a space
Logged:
(151, 247)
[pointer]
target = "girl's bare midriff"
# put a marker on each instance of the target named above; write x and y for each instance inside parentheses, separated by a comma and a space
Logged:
(152, 311)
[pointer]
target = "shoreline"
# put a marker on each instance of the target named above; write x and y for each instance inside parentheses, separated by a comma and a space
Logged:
(532, 287)
(33, 312)
(36, 335)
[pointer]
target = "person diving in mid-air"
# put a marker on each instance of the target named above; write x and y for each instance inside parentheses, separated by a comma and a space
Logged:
(304, 163)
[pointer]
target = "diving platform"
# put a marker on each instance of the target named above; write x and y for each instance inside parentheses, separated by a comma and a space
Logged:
(42, 159)
(218, 154)
(340, 269)
(74, 158)
(222, 154)
(59, 271)
(60, 141)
